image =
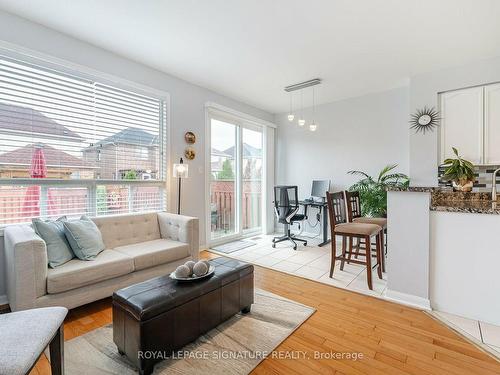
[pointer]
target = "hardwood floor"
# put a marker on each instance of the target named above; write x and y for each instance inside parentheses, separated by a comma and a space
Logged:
(393, 339)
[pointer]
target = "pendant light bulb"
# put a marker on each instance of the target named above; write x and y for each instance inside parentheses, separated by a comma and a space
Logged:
(313, 126)
(301, 121)
(291, 116)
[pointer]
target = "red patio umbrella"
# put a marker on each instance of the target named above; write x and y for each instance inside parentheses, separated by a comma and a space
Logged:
(38, 169)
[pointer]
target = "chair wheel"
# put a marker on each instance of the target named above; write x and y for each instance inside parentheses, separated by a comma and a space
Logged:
(305, 243)
(274, 245)
(295, 247)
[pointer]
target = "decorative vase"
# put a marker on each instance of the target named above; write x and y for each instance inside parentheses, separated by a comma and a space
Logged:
(463, 186)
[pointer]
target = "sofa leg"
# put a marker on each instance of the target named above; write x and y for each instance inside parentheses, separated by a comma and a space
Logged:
(56, 348)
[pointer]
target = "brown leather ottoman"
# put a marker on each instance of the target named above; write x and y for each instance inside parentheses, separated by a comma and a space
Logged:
(153, 318)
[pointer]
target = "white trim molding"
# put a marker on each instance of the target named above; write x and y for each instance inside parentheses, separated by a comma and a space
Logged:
(237, 115)
(408, 300)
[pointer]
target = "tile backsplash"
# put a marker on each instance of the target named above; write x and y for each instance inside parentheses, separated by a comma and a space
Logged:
(483, 178)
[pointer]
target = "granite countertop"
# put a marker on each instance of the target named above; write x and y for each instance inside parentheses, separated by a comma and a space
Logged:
(416, 189)
(471, 207)
(473, 203)
(445, 200)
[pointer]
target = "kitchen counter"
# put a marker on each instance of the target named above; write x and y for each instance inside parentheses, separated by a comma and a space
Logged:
(446, 200)
(437, 258)
(473, 203)
(414, 189)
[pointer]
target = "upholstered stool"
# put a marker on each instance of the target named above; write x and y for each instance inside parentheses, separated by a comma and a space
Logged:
(354, 216)
(360, 231)
(25, 334)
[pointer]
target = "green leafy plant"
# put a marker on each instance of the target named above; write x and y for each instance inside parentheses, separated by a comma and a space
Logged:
(373, 192)
(227, 171)
(458, 170)
(130, 175)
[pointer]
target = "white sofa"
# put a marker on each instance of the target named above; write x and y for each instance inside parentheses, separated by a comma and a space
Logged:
(138, 247)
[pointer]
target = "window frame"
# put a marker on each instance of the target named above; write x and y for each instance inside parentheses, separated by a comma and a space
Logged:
(66, 67)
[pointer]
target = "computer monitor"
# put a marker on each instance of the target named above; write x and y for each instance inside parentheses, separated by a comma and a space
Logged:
(319, 189)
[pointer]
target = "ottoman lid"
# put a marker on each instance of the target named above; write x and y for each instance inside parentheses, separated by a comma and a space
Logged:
(150, 298)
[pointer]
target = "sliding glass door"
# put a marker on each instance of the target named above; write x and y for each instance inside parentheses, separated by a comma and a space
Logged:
(236, 170)
(251, 199)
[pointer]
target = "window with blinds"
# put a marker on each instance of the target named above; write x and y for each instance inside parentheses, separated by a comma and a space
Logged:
(72, 146)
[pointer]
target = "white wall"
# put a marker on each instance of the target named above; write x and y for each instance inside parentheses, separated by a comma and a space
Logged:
(408, 247)
(364, 133)
(424, 91)
(187, 100)
(464, 268)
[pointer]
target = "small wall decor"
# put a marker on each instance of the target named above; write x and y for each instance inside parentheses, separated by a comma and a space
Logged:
(189, 153)
(425, 119)
(190, 138)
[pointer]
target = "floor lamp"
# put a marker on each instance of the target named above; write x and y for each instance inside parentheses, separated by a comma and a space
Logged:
(180, 171)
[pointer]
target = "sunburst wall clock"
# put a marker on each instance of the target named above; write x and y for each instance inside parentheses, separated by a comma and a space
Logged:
(426, 119)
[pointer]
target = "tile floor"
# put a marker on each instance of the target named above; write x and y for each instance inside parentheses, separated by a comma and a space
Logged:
(483, 333)
(311, 262)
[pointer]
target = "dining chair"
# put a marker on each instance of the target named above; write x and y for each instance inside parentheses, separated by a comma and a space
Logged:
(354, 215)
(339, 226)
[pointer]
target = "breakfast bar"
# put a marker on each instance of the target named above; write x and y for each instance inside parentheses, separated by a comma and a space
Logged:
(443, 251)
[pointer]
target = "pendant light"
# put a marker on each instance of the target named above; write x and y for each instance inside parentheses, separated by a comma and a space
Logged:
(313, 126)
(301, 121)
(291, 116)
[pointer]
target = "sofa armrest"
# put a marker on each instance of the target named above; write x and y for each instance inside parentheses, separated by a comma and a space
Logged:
(181, 228)
(26, 266)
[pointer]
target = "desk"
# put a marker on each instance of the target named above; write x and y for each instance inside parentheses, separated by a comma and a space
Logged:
(324, 210)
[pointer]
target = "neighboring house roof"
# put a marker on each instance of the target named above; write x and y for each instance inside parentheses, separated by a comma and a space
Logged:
(24, 119)
(54, 158)
(248, 151)
(133, 136)
(215, 152)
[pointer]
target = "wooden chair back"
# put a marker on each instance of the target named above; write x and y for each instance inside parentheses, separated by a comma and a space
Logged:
(353, 205)
(336, 209)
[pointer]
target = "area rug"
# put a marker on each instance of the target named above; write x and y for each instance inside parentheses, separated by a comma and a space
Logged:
(231, 247)
(234, 347)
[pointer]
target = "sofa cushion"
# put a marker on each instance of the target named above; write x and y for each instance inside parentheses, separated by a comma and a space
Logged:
(152, 253)
(84, 237)
(128, 229)
(77, 273)
(52, 232)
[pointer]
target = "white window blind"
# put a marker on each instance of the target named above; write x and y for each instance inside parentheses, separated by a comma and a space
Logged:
(72, 146)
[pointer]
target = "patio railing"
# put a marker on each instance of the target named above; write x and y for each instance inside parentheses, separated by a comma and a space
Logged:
(223, 209)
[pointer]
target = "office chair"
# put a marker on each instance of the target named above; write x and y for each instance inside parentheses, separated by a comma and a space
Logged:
(286, 206)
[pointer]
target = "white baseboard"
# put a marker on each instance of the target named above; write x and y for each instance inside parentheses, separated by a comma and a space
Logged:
(408, 299)
(3, 300)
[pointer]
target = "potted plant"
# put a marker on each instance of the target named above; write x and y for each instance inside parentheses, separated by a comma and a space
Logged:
(460, 172)
(373, 192)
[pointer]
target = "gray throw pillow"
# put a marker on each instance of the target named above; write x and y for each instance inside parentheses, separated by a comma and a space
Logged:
(52, 232)
(84, 237)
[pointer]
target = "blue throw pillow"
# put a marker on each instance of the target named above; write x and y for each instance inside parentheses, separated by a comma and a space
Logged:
(52, 232)
(84, 237)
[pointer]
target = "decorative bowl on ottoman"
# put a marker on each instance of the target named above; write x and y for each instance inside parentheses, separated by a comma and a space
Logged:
(191, 271)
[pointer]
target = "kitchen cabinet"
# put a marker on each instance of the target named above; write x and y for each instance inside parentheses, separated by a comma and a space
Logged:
(462, 124)
(470, 122)
(492, 124)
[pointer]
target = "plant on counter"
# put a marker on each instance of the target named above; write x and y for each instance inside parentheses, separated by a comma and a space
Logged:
(460, 172)
(373, 193)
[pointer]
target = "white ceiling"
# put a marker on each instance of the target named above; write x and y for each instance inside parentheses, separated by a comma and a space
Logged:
(251, 49)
